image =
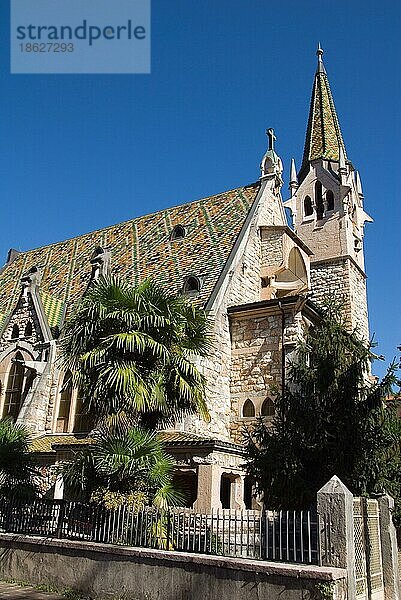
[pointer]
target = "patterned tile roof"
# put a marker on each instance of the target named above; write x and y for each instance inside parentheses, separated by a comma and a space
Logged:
(172, 437)
(323, 135)
(47, 443)
(54, 309)
(140, 249)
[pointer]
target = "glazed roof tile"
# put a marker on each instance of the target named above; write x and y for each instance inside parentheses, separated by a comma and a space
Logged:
(323, 134)
(140, 248)
(47, 443)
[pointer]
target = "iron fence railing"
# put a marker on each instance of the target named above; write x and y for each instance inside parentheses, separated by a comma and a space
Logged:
(288, 536)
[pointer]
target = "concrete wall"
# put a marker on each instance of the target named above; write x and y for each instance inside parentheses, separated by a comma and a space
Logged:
(112, 572)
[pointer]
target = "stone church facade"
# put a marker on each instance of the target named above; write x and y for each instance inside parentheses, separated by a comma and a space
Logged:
(234, 253)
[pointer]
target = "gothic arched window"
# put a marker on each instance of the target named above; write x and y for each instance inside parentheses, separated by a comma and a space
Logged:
(330, 200)
(319, 201)
(178, 232)
(248, 410)
(14, 389)
(64, 408)
(191, 284)
(15, 332)
(84, 420)
(28, 329)
(268, 408)
(308, 208)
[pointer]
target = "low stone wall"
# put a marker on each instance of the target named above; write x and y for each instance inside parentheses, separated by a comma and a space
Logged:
(115, 572)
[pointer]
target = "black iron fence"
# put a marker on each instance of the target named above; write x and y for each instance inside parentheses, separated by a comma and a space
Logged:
(288, 536)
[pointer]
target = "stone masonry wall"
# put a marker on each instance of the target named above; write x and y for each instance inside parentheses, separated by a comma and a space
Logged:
(23, 314)
(359, 305)
(343, 280)
(331, 279)
(272, 248)
(37, 412)
(242, 286)
(256, 365)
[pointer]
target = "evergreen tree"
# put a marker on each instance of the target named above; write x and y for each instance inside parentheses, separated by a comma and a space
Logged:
(331, 419)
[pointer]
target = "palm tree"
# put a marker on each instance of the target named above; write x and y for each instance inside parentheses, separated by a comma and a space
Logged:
(132, 349)
(123, 464)
(17, 466)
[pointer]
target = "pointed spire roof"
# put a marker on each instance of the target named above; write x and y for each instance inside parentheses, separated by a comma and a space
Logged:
(323, 135)
(293, 174)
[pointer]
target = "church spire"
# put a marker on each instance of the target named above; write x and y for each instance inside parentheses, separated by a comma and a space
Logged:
(323, 135)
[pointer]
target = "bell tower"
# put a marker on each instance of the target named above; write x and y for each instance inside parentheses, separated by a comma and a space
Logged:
(327, 208)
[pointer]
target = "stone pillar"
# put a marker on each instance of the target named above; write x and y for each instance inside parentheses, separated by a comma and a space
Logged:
(237, 493)
(389, 549)
(336, 526)
(59, 488)
(209, 477)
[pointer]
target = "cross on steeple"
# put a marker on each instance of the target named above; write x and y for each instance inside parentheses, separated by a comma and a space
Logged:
(272, 137)
(319, 54)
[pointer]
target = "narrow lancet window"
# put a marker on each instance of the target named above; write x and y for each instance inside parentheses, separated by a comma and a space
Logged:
(14, 389)
(308, 208)
(64, 409)
(248, 410)
(330, 200)
(319, 201)
(84, 420)
(268, 409)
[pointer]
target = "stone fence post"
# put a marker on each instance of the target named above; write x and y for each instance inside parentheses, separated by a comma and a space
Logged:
(389, 548)
(336, 528)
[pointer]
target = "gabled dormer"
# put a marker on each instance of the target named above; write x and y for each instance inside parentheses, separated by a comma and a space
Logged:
(26, 352)
(27, 322)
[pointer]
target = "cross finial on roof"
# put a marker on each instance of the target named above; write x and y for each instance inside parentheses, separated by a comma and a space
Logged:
(272, 137)
(319, 54)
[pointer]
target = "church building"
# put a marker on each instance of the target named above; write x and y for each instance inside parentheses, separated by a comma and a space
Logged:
(260, 280)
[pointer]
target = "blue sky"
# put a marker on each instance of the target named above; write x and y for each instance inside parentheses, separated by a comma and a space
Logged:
(79, 152)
